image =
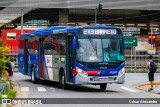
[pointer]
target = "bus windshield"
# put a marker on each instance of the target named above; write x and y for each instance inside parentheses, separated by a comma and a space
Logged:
(100, 50)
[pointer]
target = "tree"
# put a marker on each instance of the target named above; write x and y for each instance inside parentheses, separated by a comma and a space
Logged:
(3, 48)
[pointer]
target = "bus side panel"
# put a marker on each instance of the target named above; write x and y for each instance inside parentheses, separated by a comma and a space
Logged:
(21, 63)
(21, 56)
(49, 70)
(33, 56)
(32, 61)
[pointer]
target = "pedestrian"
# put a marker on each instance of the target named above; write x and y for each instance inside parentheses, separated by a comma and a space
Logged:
(151, 68)
(9, 67)
(12, 65)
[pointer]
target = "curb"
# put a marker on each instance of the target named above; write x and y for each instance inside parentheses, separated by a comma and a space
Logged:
(142, 85)
(19, 95)
(17, 88)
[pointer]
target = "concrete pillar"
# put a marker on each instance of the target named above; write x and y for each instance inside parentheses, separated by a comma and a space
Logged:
(63, 16)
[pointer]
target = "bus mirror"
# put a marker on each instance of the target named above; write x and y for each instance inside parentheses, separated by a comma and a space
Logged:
(62, 59)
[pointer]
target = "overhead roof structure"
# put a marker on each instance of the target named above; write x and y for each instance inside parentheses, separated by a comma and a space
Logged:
(10, 13)
(12, 8)
(89, 4)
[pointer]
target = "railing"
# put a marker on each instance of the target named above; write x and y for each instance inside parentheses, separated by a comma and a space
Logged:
(2, 87)
(141, 59)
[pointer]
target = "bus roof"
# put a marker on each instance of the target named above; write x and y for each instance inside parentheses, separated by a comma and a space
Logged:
(100, 26)
(63, 29)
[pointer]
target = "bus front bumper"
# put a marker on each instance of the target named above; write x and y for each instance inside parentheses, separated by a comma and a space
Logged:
(85, 79)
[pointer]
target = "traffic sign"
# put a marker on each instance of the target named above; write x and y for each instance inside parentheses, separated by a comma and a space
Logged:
(130, 41)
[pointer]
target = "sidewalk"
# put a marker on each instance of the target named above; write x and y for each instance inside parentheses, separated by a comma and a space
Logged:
(19, 93)
(146, 86)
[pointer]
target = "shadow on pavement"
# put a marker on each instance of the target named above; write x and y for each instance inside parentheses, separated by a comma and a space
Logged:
(80, 88)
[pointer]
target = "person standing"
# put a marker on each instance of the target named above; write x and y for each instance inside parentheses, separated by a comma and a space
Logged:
(151, 68)
(9, 67)
(12, 65)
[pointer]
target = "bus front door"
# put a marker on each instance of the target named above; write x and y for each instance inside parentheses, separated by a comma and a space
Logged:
(26, 57)
(41, 58)
(69, 57)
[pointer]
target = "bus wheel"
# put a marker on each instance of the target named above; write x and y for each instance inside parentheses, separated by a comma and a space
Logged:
(62, 81)
(103, 86)
(33, 77)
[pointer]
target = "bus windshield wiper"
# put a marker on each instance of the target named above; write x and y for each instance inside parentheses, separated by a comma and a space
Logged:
(94, 45)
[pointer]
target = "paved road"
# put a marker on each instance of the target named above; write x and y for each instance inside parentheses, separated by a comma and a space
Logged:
(51, 90)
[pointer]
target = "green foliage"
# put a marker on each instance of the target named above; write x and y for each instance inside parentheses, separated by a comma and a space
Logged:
(142, 70)
(2, 57)
(11, 93)
(0, 95)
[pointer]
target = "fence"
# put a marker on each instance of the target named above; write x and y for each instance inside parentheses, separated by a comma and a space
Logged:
(141, 58)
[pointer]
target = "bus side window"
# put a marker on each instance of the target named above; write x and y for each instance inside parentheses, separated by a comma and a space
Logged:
(61, 45)
(61, 49)
(30, 46)
(49, 48)
(35, 46)
(21, 46)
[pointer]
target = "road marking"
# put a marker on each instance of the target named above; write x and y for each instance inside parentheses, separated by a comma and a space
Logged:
(52, 88)
(41, 89)
(24, 89)
(128, 89)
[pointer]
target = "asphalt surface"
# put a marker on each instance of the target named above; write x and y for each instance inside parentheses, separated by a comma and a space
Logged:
(46, 89)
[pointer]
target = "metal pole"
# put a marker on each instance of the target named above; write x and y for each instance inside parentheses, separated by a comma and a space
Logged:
(21, 21)
(152, 36)
(131, 58)
(96, 16)
(135, 58)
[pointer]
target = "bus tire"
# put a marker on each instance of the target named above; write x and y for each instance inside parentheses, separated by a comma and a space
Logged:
(65, 87)
(33, 76)
(62, 81)
(103, 86)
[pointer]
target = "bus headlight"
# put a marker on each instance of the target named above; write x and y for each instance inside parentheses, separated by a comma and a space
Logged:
(79, 70)
(121, 71)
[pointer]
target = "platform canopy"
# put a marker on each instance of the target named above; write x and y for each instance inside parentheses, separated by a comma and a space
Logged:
(89, 4)
(11, 9)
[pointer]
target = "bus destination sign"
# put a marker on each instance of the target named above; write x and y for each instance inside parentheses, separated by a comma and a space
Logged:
(99, 31)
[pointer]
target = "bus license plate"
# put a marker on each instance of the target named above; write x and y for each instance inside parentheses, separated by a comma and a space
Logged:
(103, 79)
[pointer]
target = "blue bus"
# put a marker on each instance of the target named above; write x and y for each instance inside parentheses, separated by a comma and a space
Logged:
(74, 55)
